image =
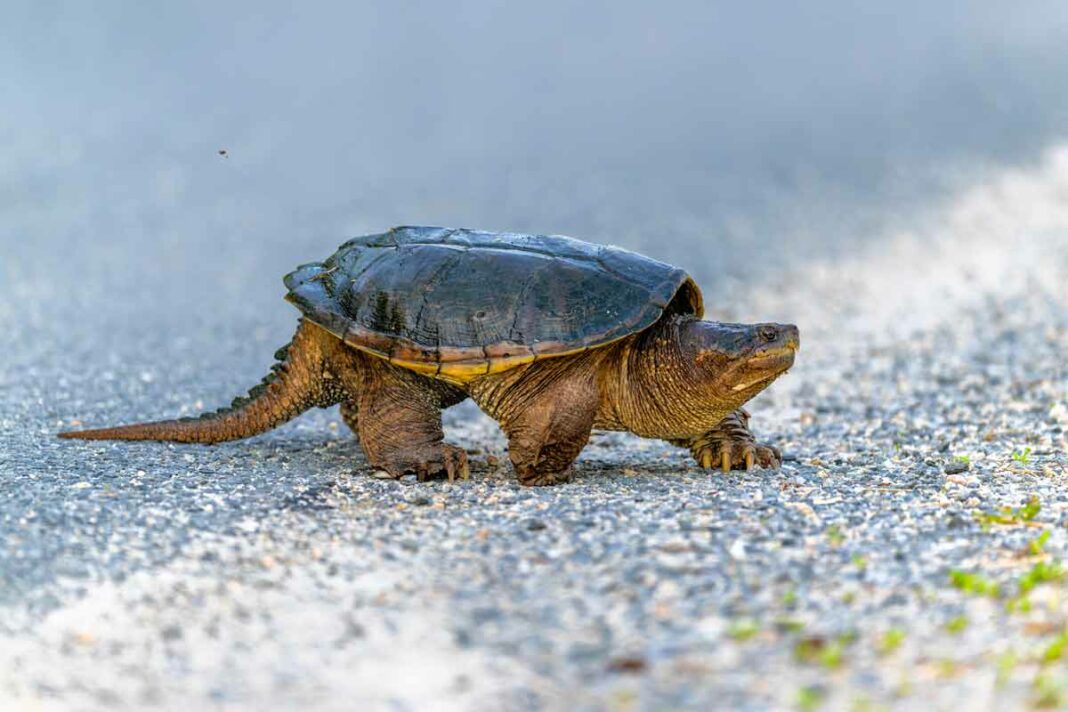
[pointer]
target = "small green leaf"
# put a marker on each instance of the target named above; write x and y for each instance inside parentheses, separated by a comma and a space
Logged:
(1036, 546)
(790, 625)
(1010, 515)
(890, 641)
(823, 651)
(810, 698)
(1047, 693)
(1006, 664)
(1042, 572)
(957, 624)
(973, 583)
(743, 629)
(1018, 604)
(1055, 650)
(835, 535)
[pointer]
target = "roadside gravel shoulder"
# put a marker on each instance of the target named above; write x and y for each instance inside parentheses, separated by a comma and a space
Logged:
(907, 555)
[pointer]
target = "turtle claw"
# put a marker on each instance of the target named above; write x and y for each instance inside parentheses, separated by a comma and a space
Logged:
(737, 455)
(455, 461)
(452, 463)
(529, 477)
(731, 446)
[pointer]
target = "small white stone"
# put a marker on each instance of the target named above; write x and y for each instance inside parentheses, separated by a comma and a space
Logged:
(737, 550)
(248, 525)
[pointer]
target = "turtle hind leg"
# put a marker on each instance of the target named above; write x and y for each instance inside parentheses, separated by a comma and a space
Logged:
(399, 424)
(731, 446)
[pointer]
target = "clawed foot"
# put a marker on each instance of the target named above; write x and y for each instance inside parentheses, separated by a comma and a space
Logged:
(452, 463)
(731, 446)
(736, 455)
(455, 461)
(528, 477)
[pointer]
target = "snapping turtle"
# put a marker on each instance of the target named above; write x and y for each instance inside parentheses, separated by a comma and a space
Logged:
(552, 337)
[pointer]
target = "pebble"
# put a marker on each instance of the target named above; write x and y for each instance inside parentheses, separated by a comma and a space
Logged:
(242, 575)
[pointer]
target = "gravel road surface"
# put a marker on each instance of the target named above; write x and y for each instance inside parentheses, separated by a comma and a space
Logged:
(906, 556)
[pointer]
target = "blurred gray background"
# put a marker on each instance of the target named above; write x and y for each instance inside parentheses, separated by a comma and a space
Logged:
(721, 136)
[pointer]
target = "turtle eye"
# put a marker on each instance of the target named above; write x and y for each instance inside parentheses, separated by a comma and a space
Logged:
(769, 333)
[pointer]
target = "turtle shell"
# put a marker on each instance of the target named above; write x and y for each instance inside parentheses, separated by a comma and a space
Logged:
(457, 304)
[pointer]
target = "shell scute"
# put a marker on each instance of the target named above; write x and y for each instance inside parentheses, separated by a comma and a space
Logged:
(457, 304)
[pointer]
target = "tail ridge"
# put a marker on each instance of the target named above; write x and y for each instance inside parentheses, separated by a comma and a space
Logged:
(294, 384)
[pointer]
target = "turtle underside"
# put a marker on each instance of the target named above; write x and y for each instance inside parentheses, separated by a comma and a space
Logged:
(457, 304)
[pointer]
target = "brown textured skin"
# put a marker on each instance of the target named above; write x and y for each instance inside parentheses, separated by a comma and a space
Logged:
(681, 380)
(731, 446)
(306, 377)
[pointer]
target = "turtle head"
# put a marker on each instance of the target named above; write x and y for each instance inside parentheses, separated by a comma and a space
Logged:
(737, 361)
(685, 376)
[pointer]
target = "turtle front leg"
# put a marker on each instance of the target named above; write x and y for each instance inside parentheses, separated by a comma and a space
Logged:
(731, 446)
(547, 434)
(399, 428)
(543, 444)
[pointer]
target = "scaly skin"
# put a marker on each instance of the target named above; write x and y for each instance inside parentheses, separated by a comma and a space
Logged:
(305, 377)
(350, 413)
(399, 422)
(682, 380)
(547, 409)
(731, 446)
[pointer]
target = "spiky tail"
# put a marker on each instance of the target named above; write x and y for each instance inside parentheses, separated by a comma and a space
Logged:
(299, 381)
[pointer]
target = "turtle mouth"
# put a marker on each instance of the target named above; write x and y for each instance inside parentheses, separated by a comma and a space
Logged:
(759, 382)
(766, 366)
(775, 359)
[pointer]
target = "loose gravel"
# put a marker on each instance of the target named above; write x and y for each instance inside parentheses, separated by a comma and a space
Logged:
(907, 555)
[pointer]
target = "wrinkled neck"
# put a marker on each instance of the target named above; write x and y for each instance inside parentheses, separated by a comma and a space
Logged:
(653, 387)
